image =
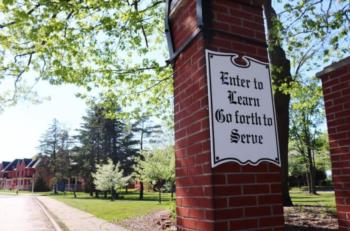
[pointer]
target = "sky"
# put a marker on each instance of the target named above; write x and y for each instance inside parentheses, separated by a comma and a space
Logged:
(21, 126)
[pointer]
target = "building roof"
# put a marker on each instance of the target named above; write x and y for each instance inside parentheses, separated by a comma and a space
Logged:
(33, 163)
(27, 161)
(12, 165)
(4, 164)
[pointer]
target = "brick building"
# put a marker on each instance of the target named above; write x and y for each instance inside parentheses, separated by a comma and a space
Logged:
(18, 174)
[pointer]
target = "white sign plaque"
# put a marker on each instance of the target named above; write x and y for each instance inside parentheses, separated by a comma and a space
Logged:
(241, 108)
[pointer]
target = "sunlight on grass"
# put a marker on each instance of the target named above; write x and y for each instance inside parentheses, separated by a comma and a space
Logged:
(324, 199)
(114, 211)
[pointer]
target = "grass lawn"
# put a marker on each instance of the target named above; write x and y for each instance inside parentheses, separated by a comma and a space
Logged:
(324, 199)
(114, 211)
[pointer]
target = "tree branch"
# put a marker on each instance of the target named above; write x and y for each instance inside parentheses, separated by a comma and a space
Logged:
(29, 12)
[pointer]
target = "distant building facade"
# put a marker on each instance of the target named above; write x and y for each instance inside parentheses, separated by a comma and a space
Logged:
(18, 174)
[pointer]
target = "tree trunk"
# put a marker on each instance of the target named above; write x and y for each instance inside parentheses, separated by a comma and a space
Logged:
(312, 173)
(91, 186)
(280, 75)
(55, 188)
(308, 180)
(75, 187)
(141, 191)
(114, 194)
(172, 191)
(142, 158)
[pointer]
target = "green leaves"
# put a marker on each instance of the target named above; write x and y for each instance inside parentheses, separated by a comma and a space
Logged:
(320, 28)
(114, 49)
(158, 165)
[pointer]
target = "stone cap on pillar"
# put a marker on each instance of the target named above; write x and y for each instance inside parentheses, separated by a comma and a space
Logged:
(333, 67)
(176, 4)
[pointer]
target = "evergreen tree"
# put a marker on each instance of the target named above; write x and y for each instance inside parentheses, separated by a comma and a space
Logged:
(89, 152)
(55, 144)
(101, 138)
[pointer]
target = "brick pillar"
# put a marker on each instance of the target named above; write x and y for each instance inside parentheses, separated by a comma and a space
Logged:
(229, 196)
(336, 91)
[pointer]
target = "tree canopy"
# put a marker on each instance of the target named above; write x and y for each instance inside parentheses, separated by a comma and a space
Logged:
(314, 32)
(113, 49)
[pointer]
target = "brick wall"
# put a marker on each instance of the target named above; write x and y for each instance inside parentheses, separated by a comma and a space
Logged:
(230, 196)
(336, 91)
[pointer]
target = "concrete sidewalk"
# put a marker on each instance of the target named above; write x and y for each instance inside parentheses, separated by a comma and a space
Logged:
(72, 219)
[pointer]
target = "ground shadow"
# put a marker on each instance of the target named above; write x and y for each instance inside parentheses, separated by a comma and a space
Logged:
(302, 228)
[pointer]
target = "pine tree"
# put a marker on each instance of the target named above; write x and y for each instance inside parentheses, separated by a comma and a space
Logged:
(101, 138)
(56, 144)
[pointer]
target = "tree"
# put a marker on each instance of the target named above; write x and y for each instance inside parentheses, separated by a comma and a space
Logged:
(159, 168)
(56, 144)
(101, 138)
(109, 177)
(88, 150)
(316, 28)
(282, 78)
(305, 125)
(298, 170)
(148, 133)
(301, 32)
(112, 47)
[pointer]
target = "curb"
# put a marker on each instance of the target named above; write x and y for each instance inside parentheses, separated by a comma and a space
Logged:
(56, 223)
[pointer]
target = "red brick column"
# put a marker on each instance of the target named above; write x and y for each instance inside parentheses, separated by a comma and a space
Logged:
(229, 196)
(336, 91)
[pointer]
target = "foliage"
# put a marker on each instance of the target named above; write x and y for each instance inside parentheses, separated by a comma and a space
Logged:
(306, 118)
(314, 32)
(298, 162)
(113, 49)
(323, 160)
(158, 168)
(109, 176)
(56, 144)
(40, 185)
(101, 138)
(149, 131)
(159, 165)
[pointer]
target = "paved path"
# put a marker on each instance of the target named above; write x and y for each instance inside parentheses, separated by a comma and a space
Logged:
(76, 220)
(22, 213)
